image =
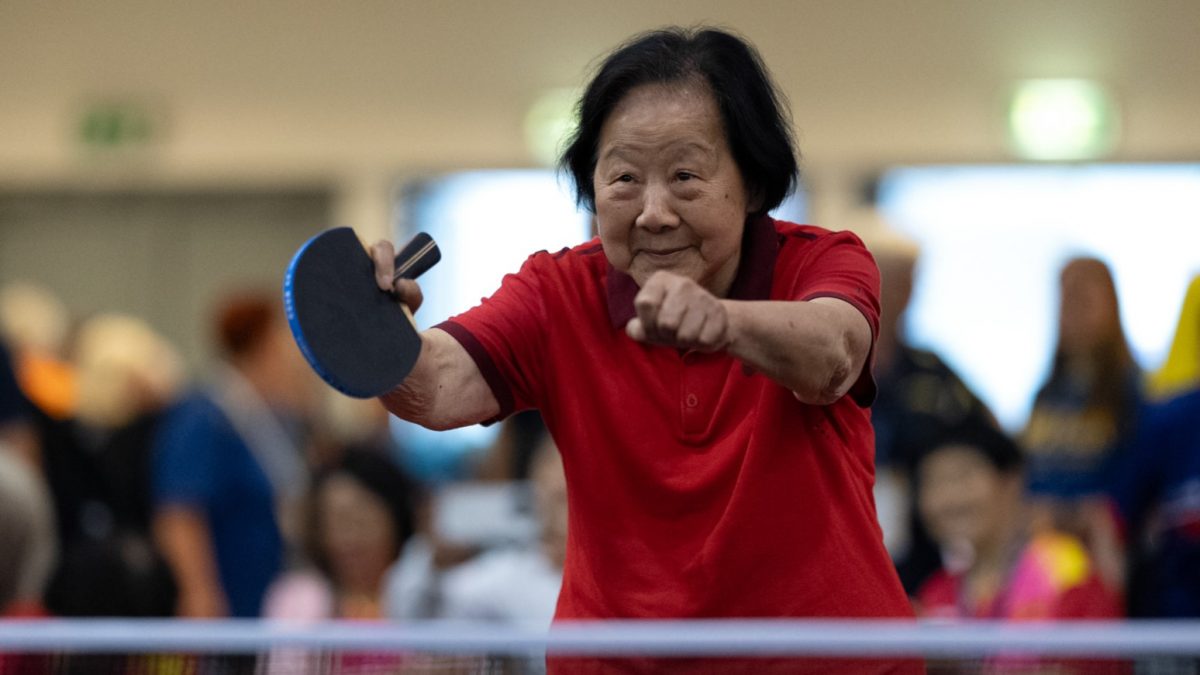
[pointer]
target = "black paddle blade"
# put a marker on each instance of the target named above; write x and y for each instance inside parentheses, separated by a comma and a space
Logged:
(354, 335)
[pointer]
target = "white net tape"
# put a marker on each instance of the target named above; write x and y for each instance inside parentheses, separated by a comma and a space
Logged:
(758, 638)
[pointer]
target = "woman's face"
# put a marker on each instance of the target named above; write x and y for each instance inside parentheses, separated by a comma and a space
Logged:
(357, 534)
(1086, 312)
(669, 195)
(963, 499)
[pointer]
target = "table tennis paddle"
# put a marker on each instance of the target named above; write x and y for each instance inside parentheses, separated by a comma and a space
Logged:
(355, 336)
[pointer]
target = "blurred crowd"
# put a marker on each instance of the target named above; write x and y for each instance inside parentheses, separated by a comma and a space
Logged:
(131, 490)
(252, 491)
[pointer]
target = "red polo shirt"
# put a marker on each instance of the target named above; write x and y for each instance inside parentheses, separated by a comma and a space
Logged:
(696, 487)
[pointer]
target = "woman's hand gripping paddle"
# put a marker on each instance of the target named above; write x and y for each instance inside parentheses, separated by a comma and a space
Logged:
(354, 335)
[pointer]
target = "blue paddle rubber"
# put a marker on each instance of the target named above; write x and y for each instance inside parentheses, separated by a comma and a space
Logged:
(354, 335)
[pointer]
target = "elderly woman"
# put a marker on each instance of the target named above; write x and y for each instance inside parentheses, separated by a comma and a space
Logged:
(702, 367)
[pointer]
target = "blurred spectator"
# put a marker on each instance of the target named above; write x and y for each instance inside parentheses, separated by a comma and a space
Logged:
(17, 434)
(519, 586)
(1084, 415)
(1157, 490)
(919, 396)
(359, 517)
(1181, 371)
(1157, 486)
(464, 519)
(970, 489)
(123, 369)
(27, 553)
(36, 324)
(98, 468)
(228, 471)
(27, 532)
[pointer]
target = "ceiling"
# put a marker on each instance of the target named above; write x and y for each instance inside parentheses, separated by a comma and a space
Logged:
(449, 82)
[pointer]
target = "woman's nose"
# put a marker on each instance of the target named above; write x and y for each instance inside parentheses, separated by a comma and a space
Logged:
(658, 212)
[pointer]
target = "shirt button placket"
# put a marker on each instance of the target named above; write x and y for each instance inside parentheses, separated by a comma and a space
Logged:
(692, 422)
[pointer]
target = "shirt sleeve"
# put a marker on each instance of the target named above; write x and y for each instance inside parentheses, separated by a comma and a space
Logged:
(838, 265)
(185, 461)
(504, 335)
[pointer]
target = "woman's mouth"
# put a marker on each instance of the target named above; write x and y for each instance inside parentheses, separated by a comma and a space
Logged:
(663, 253)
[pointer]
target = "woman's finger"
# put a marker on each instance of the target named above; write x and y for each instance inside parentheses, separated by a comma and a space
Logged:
(409, 292)
(383, 254)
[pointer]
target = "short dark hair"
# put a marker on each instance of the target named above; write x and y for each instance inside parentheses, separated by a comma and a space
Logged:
(753, 112)
(243, 322)
(375, 472)
(991, 443)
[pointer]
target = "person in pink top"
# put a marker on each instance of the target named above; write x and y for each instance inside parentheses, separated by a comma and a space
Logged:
(359, 514)
(970, 492)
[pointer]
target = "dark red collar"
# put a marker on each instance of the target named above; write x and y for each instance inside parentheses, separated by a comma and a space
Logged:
(756, 270)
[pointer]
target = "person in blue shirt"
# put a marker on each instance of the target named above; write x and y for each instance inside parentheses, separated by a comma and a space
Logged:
(1157, 492)
(228, 470)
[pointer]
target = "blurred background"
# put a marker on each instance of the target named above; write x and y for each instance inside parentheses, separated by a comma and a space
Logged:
(161, 161)
(194, 147)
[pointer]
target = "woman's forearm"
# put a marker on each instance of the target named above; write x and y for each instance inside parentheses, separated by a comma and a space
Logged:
(445, 389)
(183, 537)
(817, 349)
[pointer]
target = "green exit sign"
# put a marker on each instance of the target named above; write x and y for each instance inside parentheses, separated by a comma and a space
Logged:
(113, 124)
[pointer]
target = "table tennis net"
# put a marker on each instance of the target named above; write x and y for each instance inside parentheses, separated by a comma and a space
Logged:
(168, 647)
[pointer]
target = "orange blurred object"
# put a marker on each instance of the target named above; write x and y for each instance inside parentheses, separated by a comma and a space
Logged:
(49, 383)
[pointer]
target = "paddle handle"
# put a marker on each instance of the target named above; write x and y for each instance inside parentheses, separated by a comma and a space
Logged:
(417, 256)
